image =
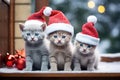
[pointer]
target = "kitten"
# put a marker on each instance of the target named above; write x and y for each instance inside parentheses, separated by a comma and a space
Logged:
(85, 57)
(60, 51)
(36, 51)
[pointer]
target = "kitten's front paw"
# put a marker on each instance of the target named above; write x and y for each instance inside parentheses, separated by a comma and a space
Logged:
(52, 69)
(77, 69)
(67, 69)
(27, 69)
(45, 68)
(90, 69)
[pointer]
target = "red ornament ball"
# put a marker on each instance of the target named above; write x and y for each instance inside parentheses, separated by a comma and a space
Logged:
(9, 63)
(9, 60)
(20, 65)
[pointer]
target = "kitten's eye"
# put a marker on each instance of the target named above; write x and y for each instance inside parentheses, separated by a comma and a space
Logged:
(89, 46)
(36, 34)
(81, 44)
(63, 36)
(28, 34)
(55, 36)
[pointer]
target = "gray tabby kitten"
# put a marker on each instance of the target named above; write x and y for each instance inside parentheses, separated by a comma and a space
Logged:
(60, 51)
(36, 51)
(85, 57)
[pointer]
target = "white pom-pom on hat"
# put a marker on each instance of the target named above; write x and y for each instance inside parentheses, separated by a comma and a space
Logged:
(47, 11)
(92, 18)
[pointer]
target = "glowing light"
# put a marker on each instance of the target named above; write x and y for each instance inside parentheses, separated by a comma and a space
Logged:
(101, 9)
(91, 4)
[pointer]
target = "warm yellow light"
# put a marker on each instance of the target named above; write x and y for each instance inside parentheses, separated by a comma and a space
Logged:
(101, 9)
(91, 4)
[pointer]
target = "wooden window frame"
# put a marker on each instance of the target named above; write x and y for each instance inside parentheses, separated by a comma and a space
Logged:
(12, 27)
(40, 3)
(10, 4)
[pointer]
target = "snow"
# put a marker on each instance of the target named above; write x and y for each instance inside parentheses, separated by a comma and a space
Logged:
(104, 67)
(110, 55)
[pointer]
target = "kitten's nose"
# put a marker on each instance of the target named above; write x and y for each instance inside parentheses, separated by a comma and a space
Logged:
(32, 38)
(84, 50)
(59, 41)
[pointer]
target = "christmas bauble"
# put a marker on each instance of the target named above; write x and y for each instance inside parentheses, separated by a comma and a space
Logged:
(9, 63)
(10, 60)
(20, 65)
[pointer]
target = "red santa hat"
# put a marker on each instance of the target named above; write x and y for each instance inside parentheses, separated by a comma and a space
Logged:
(35, 20)
(89, 34)
(57, 22)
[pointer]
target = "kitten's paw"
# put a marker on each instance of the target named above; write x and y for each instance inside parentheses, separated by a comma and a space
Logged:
(90, 69)
(27, 69)
(67, 69)
(76, 69)
(52, 69)
(45, 68)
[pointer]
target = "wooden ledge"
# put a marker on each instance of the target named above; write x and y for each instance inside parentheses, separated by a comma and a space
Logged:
(60, 75)
(104, 58)
(110, 57)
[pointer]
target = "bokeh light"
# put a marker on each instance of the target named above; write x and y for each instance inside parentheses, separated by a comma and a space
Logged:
(91, 4)
(101, 9)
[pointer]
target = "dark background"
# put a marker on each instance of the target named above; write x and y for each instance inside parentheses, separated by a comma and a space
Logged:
(108, 24)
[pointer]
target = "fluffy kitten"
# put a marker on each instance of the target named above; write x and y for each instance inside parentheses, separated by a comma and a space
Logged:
(36, 51)
(85, 57)
(60, 51)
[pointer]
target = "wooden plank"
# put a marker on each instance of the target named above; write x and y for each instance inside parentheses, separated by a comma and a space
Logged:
(63, 74)
(22, 1)
(110, 57)
(4, 22)
(11, 32)
(40, 3)
(26, 11)
(60, 74)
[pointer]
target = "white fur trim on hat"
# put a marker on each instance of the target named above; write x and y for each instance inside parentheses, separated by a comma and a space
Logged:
(47, 11)
(33, 24)
(87, 39)
(59, 26)
(92, 18)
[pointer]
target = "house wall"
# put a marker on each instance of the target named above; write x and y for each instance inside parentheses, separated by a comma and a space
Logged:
(22, 11)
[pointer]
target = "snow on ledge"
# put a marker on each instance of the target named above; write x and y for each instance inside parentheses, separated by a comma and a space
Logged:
(110, 55)
(104, 67)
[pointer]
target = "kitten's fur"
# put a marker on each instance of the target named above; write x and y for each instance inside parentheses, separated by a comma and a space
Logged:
(60, 51)
(85, 57)
(36, 51)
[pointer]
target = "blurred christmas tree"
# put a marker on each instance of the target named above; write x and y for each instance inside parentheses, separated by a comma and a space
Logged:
(107, 12)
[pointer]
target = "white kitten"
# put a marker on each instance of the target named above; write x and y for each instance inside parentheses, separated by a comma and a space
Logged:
(85, 57)
(35, 48)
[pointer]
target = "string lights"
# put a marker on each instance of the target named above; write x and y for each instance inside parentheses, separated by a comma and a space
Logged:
(91, 4)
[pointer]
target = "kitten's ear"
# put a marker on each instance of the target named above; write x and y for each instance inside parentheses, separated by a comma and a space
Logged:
(21, 26)
(43, 26)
